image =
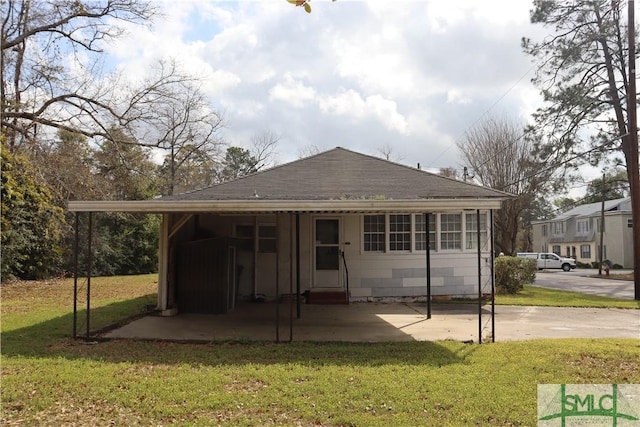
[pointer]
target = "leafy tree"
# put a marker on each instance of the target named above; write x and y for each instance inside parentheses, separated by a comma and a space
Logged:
(539, 208)
(240, 161)
(66, 164)
(564, 204)
(124, 169)
(31, 222)
(583, 75)
(197, 169)
(502, 159)
(237, 162)
(615, 186)
(125, 243)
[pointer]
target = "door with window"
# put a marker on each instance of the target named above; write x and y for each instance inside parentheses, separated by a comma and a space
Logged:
(327, 253)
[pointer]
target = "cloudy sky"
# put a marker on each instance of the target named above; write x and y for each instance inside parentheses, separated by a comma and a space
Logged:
(409, 75)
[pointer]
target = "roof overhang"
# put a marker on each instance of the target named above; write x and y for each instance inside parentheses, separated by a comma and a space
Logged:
(274, 206)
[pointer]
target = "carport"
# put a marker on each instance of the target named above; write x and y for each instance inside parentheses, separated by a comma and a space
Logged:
(303, 218)
(287, 318)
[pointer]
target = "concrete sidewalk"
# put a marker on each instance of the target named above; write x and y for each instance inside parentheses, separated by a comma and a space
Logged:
(370, 322)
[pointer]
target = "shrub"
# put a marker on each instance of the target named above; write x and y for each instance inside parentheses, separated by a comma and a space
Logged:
(513, 273)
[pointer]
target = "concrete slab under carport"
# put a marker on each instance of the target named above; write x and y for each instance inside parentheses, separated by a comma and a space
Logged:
(377, 322)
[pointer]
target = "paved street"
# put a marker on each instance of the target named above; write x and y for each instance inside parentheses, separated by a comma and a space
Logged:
(578, 281)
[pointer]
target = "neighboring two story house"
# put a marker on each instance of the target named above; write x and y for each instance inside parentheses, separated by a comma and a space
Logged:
(576, 233)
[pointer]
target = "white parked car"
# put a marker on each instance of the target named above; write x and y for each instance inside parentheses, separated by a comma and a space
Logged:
(549, 260)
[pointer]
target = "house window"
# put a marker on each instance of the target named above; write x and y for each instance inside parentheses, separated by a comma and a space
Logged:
(472, 231)
(558, 228)
(244, 237)
(544, 229)
(585, 251)
(267, 238)
(420, 232)
(399, 232)
(450, 231)
(604, 256)
(374, 233)
(629, 222)
(556, 249)
(582, 227)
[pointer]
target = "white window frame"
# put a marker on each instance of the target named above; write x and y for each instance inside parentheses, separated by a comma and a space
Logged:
(582, 227)
(376, 232)
(436, 233)
(394, 233)
(433, 232)
(261, 239)
(582, 251)
(471, 236)
(558, 228)
(459, 244)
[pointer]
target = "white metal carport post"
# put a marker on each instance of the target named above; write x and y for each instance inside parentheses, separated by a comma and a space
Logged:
(163, 263)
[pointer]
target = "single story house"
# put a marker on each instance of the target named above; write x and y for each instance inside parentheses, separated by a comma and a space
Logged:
(576, 233)
(337, 226)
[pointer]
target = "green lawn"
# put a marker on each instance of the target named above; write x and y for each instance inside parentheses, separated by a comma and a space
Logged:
(534, 295)
(50, 379)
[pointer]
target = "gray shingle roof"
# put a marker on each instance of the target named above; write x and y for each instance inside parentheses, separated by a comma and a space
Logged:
(595, 208)
(341, 174)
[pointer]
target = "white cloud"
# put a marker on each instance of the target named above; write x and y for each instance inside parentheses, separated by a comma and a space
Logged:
(455, 96)
(413, 74)
(350, 104)
(292, 91)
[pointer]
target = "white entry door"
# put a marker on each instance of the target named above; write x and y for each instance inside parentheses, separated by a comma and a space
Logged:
(327, 253)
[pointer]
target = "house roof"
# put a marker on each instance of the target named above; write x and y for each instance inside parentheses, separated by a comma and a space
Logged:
(340, 174)
(335, 180)
(590, 209)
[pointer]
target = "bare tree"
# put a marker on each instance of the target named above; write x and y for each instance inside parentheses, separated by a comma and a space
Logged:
(182, 123)
(308, 151)
(502, 159)
(388, 153)
(263, 148)
(52, 69)
(448, 172)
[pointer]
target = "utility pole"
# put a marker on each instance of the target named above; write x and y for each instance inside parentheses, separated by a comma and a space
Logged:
(601, 254)
(633, 170)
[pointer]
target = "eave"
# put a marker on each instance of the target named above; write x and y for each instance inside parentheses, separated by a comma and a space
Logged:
(291, 206)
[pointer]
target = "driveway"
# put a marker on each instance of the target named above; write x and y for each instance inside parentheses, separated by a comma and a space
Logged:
(578, 281)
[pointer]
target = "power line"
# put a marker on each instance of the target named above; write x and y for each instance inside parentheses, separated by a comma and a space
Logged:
(483, 114)
(564, 162)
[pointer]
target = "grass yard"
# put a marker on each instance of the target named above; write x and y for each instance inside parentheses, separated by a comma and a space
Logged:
(534, 295)
(50, 379)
